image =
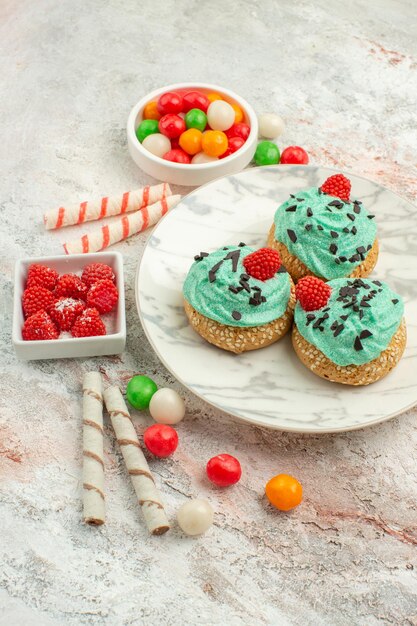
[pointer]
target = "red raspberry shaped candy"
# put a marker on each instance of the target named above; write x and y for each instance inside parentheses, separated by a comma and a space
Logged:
(103, 295)
(312, 293)
(262, 264)
(41, 276)
(36, 299)
(71, 285)
(39, 326)
(97, 271)
(338, 186)
(65, 311)
(88, 324)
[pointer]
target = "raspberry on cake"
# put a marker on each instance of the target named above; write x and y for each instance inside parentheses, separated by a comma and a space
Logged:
(323, 232)
(357, 334)
(239, 299)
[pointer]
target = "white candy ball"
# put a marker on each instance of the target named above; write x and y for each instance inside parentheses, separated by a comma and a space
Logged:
(157, 143)
(202, 157)
(166, 406)
(270, 125)
(220, 115)
(195, 517)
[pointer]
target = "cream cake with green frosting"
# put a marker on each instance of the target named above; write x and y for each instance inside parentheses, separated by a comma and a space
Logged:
(356, 336)
(319, 234)
(231, 306)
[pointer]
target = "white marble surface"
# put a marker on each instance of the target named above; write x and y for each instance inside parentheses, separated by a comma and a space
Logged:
(343, 75)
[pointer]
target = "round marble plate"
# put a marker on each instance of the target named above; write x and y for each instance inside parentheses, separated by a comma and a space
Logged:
(270, 387)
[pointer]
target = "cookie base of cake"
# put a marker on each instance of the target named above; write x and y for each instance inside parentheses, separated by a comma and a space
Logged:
(297, 269)
(364, 374)
(237, 339)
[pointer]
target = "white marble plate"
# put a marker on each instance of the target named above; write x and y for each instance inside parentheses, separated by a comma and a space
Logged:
(270, 387)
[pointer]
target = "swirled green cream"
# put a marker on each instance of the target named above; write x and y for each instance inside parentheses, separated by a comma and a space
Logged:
(357, 323)
(219, 288)
(330, 236)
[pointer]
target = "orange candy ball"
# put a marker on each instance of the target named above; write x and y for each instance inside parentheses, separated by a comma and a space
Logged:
(191, 140)
(238, 113)
(214, 142)
(284, 492)
(214, 96)
(150, 112)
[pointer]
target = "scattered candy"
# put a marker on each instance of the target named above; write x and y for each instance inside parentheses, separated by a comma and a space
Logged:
(169, 102)
(166, 406)
(284, 492)
(157, 144)
(177, 156)
(195, 100)
(146, 128)
(267, 153)
(171, 125)
(88, 324)
(195, 517)
(201, 157)
(238, 130)
(190, 141)
(139, 391)
(160, 439)
(294, 155)
(220, 115)
(103, 295)
(214, 142)
(196, 118)
(224, 470)
(150, 112)
(271, 125)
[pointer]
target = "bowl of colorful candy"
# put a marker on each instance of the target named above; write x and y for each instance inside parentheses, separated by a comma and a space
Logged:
(191, 133)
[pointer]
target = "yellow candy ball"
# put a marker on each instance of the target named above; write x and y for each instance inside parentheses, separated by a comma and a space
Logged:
(214, 142)
(190, 140)
(238, 113)
(214, 96)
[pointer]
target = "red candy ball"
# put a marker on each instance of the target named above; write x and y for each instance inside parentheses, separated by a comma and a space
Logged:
(224, 470)
(177, 156)
(294, 155)
(234, 144)
(169, 102)
(195, 100)
(171, 125)
(238, 130)
(160, 439)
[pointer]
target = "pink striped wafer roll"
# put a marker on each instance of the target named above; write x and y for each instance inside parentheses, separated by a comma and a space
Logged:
(106, 207)
(122, 228)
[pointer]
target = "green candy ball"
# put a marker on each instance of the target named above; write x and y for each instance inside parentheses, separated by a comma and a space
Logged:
(139, 391)
(196, 118)
(145, 128)
(267, 153)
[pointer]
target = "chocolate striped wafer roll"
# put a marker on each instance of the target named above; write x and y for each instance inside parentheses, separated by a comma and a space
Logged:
(121, 228)
(93, 464)
(106, 207)
(137, 466)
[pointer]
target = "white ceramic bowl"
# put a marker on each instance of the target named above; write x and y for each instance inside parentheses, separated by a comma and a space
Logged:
(112, 343)
(181, 173)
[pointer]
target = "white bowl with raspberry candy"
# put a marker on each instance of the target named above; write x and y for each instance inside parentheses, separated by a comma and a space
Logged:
(68, 346)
